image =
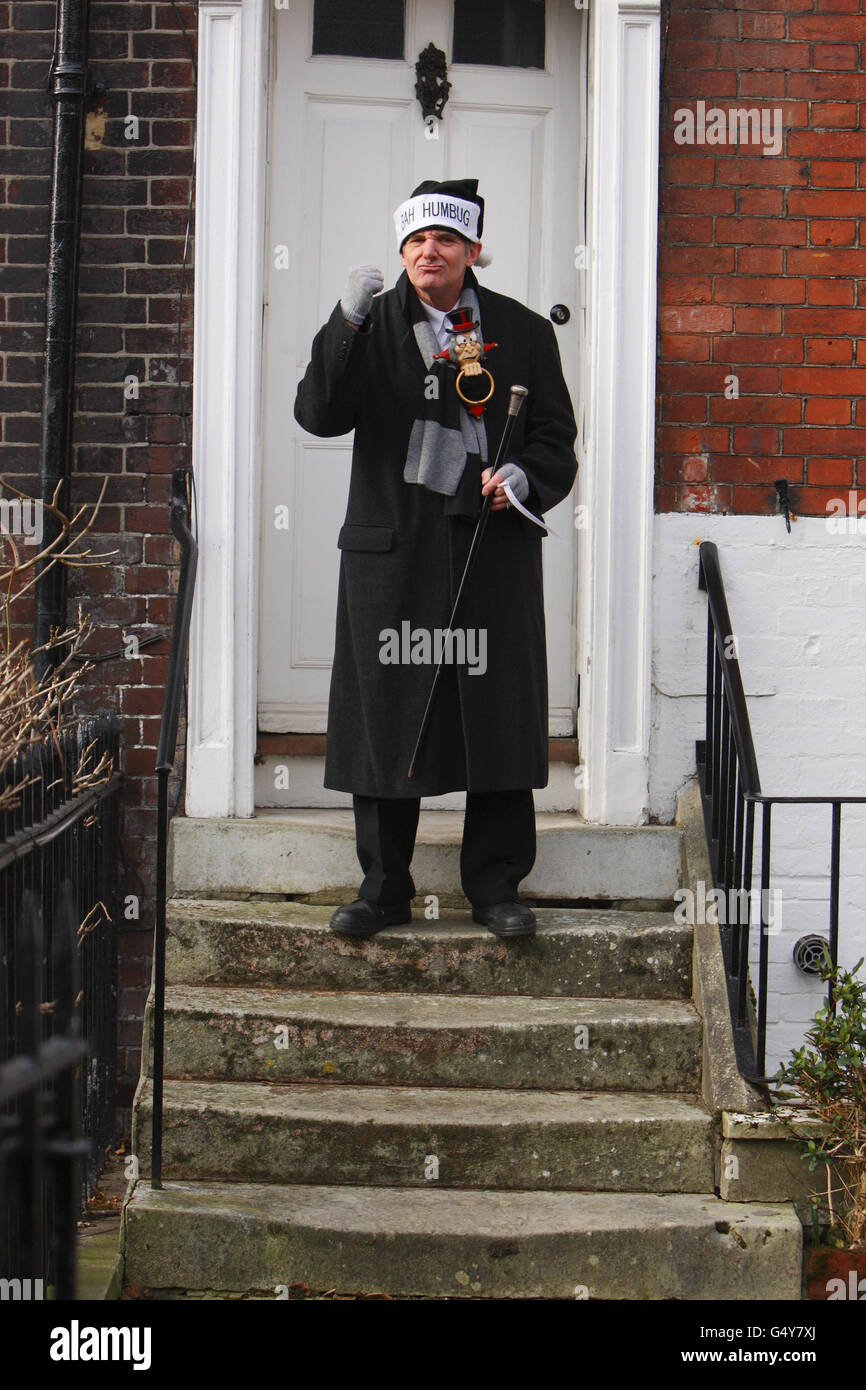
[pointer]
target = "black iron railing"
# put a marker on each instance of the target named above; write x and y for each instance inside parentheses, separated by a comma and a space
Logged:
(64, 829)
(730, 791)
(41, 1145)
(180, 525)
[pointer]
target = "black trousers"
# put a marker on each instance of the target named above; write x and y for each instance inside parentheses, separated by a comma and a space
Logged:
(498, 848)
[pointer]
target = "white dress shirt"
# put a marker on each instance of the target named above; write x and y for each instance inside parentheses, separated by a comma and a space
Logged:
(437, 322)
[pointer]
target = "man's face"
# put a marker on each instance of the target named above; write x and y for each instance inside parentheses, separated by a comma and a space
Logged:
(436, 262)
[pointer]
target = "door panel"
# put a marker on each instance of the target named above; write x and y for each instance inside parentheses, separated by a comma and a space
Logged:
(357, 158)
(509, 147)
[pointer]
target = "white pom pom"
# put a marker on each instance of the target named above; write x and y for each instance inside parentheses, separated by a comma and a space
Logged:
(484, 259)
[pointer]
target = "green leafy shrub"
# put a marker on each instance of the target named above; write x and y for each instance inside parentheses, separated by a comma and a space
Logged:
(829, 1074)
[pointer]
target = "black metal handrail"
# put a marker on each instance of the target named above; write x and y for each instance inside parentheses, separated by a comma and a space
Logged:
(180, 525)
(23, 842)
(41, 1145)
(56, 828)
(730, 791)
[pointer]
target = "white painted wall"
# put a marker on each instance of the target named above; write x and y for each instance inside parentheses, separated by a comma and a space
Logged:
(798, 608)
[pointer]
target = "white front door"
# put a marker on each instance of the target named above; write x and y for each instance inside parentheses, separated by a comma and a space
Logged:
(347, 144)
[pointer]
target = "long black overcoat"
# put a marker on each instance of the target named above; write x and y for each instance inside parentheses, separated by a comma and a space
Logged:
(402, 557)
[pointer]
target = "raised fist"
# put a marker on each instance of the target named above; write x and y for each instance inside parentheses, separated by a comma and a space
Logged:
(363, 284)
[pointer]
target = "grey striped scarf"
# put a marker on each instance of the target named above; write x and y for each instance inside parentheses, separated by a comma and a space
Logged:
(447, 435)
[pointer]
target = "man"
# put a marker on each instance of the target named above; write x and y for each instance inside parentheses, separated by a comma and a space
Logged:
(417, 484)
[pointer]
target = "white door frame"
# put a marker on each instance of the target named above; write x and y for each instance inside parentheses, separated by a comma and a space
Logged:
(615, 568)
(616, 442)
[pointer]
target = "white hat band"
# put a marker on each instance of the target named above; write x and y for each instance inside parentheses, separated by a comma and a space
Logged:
(436, 210)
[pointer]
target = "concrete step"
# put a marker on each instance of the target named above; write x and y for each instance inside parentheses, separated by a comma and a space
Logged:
(233, 1034)
(395, 1136)
(433, 1243)
(577, 951)
(308, 852)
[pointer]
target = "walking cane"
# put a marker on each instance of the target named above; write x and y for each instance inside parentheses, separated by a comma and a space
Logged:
(516, 397)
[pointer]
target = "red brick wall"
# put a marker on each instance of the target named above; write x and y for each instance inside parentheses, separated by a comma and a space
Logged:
(135, 195)
(761, 260)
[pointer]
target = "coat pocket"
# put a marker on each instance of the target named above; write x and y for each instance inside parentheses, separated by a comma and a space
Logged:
(366, 538)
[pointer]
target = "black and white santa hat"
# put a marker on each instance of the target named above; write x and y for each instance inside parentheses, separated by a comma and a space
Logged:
(453, 206)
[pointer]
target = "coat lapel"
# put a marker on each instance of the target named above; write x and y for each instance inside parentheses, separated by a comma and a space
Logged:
(403, 291)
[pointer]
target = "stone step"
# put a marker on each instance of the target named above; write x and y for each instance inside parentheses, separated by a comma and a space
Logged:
(397, 1136)
(234, 1034)
(313, 851)
(577, 951)
(433, 1243)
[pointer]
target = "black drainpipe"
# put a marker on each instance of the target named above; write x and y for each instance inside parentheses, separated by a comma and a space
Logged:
(68, 87)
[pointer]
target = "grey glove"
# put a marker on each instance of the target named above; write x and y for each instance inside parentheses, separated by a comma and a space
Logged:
(511, 473)
(364, 282)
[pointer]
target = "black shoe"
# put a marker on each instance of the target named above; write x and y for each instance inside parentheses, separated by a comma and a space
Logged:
(363, 918)
(506, 919)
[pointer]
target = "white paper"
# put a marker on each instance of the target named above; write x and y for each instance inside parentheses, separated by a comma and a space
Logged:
(528, 514)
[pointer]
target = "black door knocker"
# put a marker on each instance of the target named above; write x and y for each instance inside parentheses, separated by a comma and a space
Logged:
(432, 85)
